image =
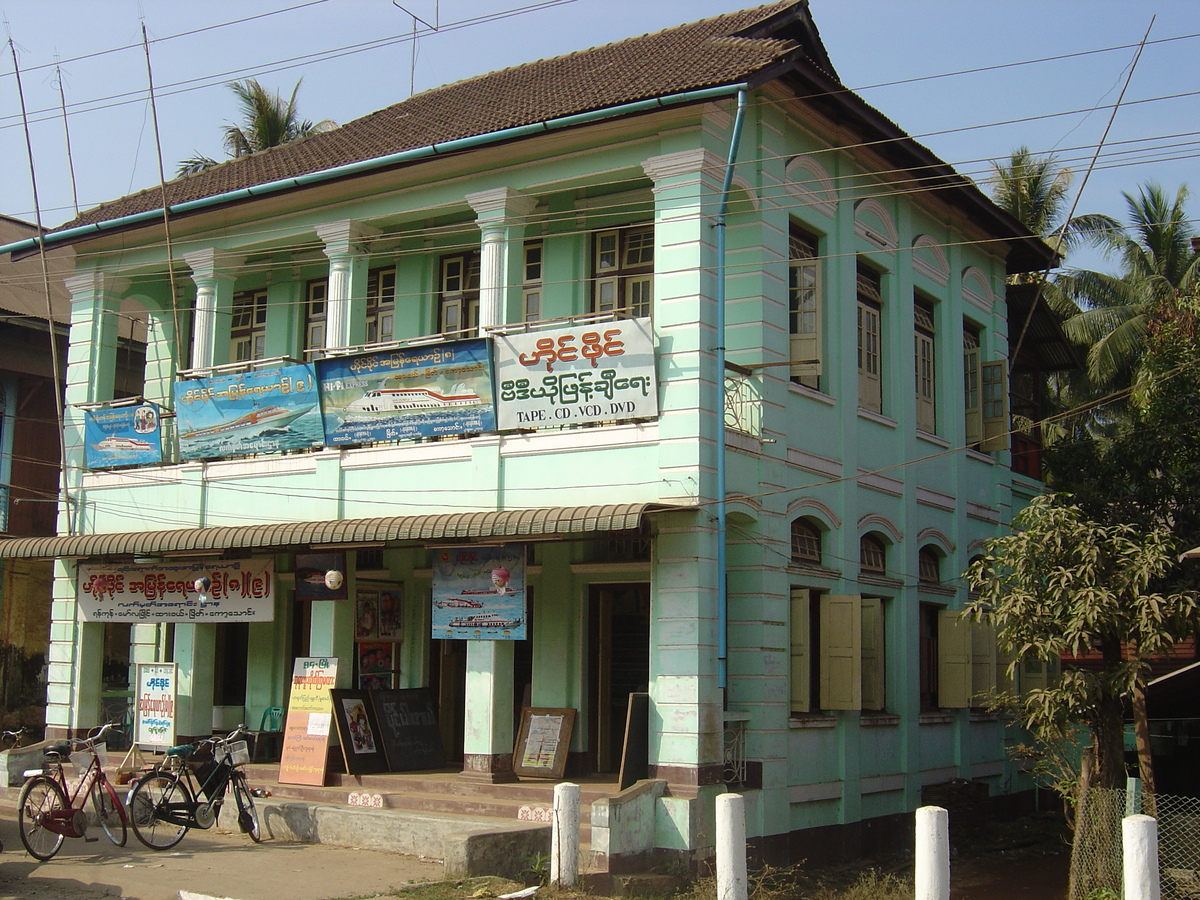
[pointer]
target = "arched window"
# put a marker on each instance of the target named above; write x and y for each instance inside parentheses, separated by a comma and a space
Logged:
(929, 566)
(872, 554)
(806, 542)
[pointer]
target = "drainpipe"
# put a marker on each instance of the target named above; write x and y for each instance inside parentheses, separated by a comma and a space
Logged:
(722, 575)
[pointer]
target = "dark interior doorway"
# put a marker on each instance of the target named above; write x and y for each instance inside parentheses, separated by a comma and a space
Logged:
(619, 664)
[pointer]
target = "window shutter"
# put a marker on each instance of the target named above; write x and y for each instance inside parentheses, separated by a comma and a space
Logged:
(983, 662)
(873, 659)
(974, 409)
(841, 652)
(954, 661)
(994, 392)
(800, 686)
(805, 315)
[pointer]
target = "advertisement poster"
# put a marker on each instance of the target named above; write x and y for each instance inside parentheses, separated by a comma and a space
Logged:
(315, 579)
(309, 719)
(479, 593)
(122, 436)
(577, 375)
(250, 412)
(407, 393)
(238, 591)
(154, 710)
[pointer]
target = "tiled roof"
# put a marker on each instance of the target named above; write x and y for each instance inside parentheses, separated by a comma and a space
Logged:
(690, 57)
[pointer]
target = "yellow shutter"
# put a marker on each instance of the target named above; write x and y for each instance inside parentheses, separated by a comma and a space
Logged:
(873, 659)
(983, 663)
(954, 661)
(993, 383)
(801, 630)
(805, 345)
(841, 652)
(974, 409)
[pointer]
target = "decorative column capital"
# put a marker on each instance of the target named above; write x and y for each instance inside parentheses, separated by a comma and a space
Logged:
(212, 263)
(686, 162)
(501, 206)
(345, 237)
(93, 283)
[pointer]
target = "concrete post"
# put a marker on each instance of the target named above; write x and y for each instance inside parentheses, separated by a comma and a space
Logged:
(931, 872)
(731, 847)
(564, 840)
(1139, 836)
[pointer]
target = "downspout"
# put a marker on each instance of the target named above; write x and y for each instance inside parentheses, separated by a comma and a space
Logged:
(722, 574)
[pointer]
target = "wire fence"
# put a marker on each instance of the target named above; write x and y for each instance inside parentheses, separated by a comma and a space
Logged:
(1096, 862)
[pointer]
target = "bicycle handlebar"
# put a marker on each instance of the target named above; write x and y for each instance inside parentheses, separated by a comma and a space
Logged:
(90, 742)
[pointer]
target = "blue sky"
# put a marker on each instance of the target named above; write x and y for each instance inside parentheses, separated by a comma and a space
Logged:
(910, 60)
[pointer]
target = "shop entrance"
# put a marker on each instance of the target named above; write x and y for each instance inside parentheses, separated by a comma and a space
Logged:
(619, 664)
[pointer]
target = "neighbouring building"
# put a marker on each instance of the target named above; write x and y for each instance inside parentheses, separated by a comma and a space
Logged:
(543, 322)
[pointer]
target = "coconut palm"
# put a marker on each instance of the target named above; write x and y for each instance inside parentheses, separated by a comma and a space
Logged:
(267, 121)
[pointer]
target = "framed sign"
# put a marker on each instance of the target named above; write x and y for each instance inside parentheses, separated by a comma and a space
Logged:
(543, 741)
(309, 713)
(154, 709)
(122, 436)
(408, 728)
(358, 730)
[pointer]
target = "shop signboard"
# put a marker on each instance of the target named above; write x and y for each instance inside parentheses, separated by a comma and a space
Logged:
(233, 591)
(268, 411)
(578, 375)
(479, 593)
(122, 436)
(154, 706)
(407, 393)
(309, 719)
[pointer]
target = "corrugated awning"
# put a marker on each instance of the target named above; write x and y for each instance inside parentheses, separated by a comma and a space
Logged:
(516, 523)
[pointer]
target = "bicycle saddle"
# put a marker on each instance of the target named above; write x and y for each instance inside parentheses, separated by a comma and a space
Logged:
(58, 748)
(181, 750)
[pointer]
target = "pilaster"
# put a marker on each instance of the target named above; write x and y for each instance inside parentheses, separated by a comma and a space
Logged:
(501, 215)
(346, 299)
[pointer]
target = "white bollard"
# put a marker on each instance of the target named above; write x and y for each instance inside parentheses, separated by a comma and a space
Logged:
(931, 869)
(1139, 837)
(564, 836)
(731, 847)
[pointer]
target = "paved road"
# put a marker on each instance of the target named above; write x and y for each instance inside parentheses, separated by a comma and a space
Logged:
(210, 863)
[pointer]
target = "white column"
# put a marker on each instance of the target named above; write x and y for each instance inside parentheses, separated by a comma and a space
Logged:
(1139, 835)
(488, 729)
(731, 847)
(345, 246)
(214, 288)
(564, 840)
(931, 870)
(501, 215)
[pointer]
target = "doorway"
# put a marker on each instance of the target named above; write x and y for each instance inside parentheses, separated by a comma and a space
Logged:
(619, 664)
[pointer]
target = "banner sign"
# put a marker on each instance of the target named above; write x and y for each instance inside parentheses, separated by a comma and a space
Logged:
(479, 593)
(570, 376)
(309, 718)
(122, 436)
(250, 412)
(407, 393)
(239, 591)
(154, 707)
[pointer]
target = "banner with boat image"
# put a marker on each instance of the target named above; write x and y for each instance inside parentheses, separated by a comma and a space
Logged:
(266, 411)
(127, 435)
(406, 393)
(479, 593)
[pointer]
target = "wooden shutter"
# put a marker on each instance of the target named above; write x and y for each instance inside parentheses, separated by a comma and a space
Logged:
(801, 630)
(954, 661)
(983, 662)
(870, 337)
(974, 408)
(873, 658)
(841, 652)
(805, 318)
(993, 383)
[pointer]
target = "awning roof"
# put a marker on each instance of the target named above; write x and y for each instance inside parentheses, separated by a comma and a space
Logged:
(516, 523)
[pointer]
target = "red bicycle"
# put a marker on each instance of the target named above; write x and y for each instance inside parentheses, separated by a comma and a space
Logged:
(52, 808)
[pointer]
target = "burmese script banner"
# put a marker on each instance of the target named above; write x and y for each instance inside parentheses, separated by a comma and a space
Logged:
(154, 705)
(240, 591)
(309, 716)
(577, 375)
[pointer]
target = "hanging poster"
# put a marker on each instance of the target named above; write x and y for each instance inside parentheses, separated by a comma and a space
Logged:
(250, 412)
(309, 718)
(240, 590)
(407, 393)
(122, 436)
(570, 376)
(154, 709)
(320, 576)
(479, 593)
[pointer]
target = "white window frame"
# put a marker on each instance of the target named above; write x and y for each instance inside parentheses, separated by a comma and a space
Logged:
(533, 263)
(804, 308)
(458, 294)
(925, 365)
(316, 310)
(870, 340)
(623, 271)
(248, 326)
(381, 305)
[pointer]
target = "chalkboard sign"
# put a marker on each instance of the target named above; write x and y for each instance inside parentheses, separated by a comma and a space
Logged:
(362, 746)
(408, 729)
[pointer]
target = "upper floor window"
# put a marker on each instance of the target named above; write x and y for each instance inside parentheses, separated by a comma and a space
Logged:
(531, 282)
(381, 305)
(248, 326)
(806, 542)
(804, 308)
(623, 271)
(929, 566)
(985, 396)
(923, 361)
(458, 295)
(869, 322)
(872, 555)
(316, 299)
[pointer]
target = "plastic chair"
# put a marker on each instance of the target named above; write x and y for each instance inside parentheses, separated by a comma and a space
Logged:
(269, 743)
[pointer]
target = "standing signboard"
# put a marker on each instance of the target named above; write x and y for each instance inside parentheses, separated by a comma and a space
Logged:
(309, 718)
(577, 375)
(479, 593)
(154, 710)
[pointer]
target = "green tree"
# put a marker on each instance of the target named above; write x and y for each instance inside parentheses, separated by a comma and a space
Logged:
(267, 121)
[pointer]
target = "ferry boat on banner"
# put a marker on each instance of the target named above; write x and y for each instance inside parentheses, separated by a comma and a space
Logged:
(393, 400)
(112, 443)
(251, 423)
(457, 602)
(485, 622)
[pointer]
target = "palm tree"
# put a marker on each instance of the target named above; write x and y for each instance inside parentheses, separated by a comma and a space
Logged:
(1157, 261)
(267, 121)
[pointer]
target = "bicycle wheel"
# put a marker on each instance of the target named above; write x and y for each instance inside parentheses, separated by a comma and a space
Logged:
(40, 796)
(109, 812)
(152, 800)
(247, 813)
